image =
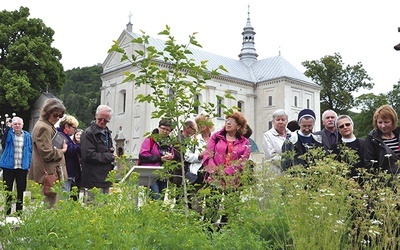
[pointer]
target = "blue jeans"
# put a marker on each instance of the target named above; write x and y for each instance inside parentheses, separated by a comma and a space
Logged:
(68, 184)
(157, 188)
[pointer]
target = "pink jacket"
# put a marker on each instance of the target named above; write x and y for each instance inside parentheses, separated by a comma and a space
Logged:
(150, 152)
(215, 153)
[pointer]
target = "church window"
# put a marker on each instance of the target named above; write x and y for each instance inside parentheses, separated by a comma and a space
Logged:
(122, 101)
(295, 101)
(269, 100)
(308, 103)
(240, 106)
(219, 108)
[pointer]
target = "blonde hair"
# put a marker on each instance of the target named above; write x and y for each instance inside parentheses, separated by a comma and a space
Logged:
(70, 120)
(385, 112)
(204, 120)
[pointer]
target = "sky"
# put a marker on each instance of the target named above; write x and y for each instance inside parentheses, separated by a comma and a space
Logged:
(359, 30)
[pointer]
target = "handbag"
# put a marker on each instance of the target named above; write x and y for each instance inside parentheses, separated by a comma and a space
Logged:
(49, 179)
(48, 183)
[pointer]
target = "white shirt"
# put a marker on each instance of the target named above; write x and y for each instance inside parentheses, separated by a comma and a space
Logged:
(272, 144)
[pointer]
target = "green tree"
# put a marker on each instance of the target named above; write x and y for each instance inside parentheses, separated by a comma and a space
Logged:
(367, 104)
(182, 76)
(338, 82)
(81, 94)
(29, 65)
(393, 97)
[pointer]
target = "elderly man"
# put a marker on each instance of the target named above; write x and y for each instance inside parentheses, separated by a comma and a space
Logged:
(301, 141)
(329, 133)
(15, 161)
(97, 151)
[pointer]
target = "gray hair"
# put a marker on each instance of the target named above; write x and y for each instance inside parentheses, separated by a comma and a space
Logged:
(329, 110)
(279, 112)
(105, 108)
(340, 117)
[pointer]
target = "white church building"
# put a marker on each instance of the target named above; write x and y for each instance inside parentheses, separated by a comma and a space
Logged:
(259, 87)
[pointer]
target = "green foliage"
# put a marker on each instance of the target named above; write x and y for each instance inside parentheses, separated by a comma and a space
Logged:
(393, 98)
(367, 104)
(81, 94)
(318, 207)
(337, 80)
(172, 79)
(29, 65)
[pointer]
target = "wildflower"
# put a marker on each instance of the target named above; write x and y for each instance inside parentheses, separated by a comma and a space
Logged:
(339, 221)
(376, 222)
(388, 155)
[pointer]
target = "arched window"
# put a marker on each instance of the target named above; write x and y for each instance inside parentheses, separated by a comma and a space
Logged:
(240, 106)
(196, 104)
(122, 101)
(219, 108)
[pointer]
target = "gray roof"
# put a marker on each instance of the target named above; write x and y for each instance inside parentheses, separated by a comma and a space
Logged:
(259, 71)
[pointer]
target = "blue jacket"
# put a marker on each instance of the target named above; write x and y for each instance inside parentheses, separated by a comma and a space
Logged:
(7, 158)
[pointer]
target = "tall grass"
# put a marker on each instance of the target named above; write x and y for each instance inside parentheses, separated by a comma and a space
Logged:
(318, 207)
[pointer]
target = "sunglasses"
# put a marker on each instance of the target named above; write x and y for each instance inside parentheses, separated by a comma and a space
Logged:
(103, 120)
(345, 124)
(58, 115)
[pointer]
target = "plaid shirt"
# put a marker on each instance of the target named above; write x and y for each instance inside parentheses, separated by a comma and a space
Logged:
(18, 150)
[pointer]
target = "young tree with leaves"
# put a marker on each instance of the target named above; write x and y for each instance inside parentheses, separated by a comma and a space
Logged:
(338, 82)
(174, 87)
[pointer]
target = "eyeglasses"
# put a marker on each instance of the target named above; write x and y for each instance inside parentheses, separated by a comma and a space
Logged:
(231, 120)
(165, 129)
(72, 126)
(344, 124)
(103, 120)
(58, 115)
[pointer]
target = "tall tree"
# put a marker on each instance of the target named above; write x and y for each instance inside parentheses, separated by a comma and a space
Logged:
(29, 65)
(81, 93)
(338, 82)
(367, 104)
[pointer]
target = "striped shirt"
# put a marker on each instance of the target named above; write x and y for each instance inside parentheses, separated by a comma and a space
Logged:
(393, 144)
(18, 150)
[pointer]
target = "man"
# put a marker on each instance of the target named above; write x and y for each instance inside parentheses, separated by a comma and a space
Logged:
(188, 130)
(301, 140)
(345, 126)
(16, 160)
(329, 133)
(97, 151)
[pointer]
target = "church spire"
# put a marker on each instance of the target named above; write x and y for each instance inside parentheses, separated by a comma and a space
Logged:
(248, 53)
(129, 25)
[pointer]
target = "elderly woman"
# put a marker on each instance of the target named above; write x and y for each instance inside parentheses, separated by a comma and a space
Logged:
(67, 128)
(227, 150)
(274, 138)
(382, 143)
(46, 157)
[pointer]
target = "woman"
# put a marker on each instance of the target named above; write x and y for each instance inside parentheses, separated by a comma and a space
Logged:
(275, 137)
(155, 151)
(44, 154)
(68, 125)
(195, 154)
(382, 143)
(227, 150)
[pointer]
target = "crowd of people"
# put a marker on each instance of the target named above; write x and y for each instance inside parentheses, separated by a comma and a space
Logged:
(218, 158)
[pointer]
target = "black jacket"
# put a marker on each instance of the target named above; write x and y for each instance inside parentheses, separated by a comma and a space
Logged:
(293, 143)
(378, 155)
(97, 157)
